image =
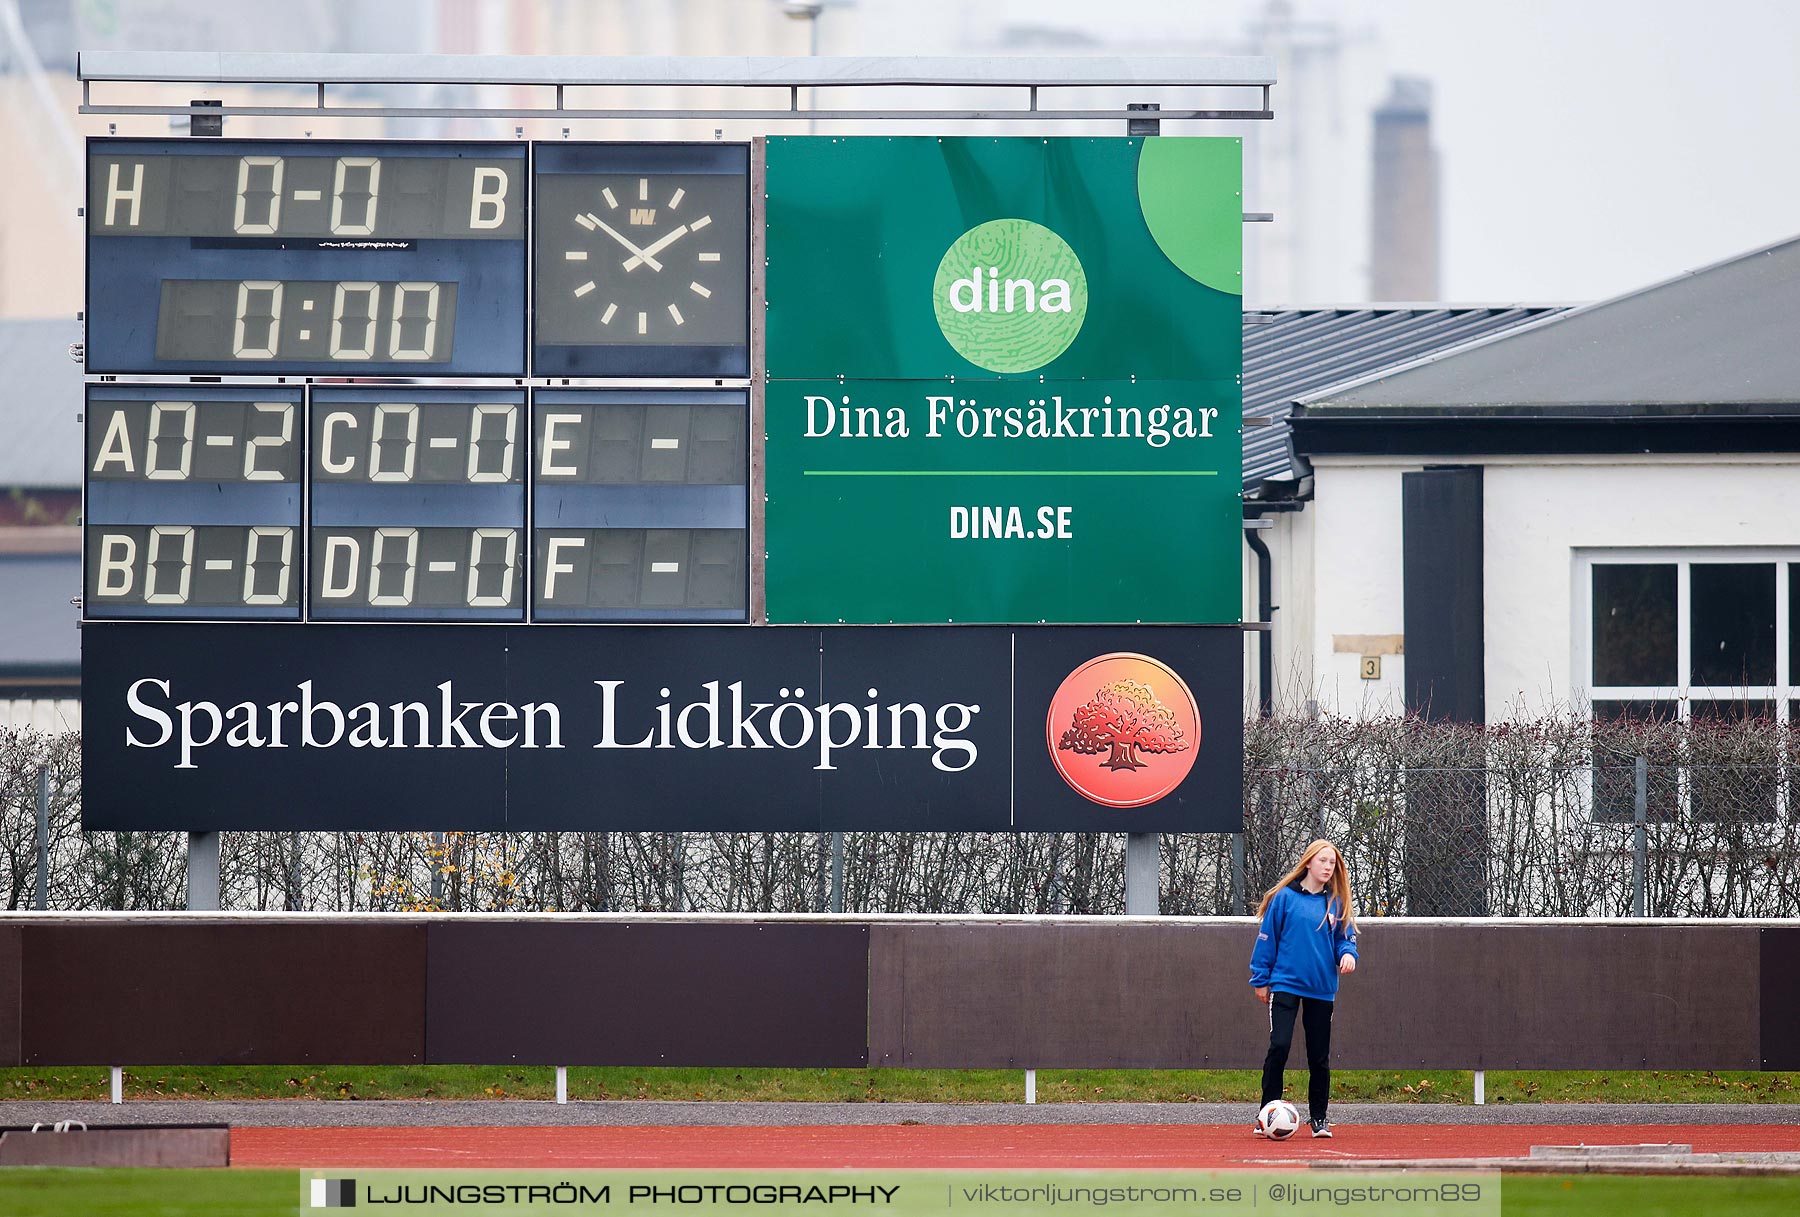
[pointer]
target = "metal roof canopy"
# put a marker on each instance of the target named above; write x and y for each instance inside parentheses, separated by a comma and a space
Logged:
(1290, 354)
(558, 73)
(1718, 340)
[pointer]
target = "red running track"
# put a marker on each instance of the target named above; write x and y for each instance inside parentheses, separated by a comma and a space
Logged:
(951, 1147)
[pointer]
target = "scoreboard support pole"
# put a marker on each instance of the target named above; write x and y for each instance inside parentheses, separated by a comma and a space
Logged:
(203, 872)
(1143, 874)
(837, 872)
(42, 900)
(1237, 874)
(1143, 864)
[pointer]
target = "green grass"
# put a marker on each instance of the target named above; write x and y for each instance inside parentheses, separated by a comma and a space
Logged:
(37, 1192)
(28, 1191)
(1648, 1195)
(884, 1085)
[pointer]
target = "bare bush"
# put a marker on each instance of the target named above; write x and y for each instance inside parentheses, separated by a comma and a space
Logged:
(1531, 818)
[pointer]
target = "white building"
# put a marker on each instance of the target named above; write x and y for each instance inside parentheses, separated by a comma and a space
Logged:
(1601, 505)
(1287, 355)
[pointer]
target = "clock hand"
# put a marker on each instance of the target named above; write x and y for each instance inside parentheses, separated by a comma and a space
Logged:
(622, 239)
(649, 254)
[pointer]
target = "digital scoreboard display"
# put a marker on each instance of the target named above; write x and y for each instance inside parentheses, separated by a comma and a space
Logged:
(641, 505)
(222, 256)
(308, 395)
(193, 502)
(418, 505)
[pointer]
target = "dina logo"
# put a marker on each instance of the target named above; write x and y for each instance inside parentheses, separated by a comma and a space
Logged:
(1010, 295)
(1123, 730)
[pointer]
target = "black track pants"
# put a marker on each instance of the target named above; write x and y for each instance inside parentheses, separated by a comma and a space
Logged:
(1316, 1016)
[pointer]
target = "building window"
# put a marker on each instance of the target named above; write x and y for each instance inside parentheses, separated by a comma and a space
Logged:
(1690, 637)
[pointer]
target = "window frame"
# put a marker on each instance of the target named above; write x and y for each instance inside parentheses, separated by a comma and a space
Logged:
(1689, 789)
(1684, 693)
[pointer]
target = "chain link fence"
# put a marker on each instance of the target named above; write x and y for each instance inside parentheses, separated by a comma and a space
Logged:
(1537, 819)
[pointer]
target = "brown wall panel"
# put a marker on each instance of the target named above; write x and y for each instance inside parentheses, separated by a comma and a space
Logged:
(1528, 996)
(1020, 994)
(11, 994)
(143, 993)
(1049, 995)
(1780, 997)
(646, 993)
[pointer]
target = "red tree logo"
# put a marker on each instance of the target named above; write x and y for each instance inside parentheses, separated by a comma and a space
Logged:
(1125, 718)
(1126, 709)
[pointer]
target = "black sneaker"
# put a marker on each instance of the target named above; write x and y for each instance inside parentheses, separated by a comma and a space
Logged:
(1321, 1127)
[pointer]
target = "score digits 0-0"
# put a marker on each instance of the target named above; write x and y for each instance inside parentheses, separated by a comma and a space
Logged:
(272, 257)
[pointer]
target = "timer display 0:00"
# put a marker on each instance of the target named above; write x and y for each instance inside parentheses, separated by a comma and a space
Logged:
(306, 320)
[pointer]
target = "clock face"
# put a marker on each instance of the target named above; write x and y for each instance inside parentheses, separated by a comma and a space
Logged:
(640, 261)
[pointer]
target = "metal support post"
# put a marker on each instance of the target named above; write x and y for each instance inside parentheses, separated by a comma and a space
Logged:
(118, 1084)
(203, 872)
(437, 871)
(1031, 1085)
(562, 1083)
(1143, 865)
(1143, 874)
(295, 901)
(677, 873)
(1480, 1087)
(43, 838)
(207, 124)
(837, 872)
(1640, 801)
(1143, 126)
(1237, 875)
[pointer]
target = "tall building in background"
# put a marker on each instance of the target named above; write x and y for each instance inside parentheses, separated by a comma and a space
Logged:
(1310, 167)
(1403, 210)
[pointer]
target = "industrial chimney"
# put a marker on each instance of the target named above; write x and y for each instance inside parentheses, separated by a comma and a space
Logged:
(1403, 241)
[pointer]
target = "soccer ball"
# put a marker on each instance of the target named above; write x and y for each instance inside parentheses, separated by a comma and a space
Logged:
(1278, 1119)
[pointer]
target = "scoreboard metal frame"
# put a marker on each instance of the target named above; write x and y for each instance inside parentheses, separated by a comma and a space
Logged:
(314, 388)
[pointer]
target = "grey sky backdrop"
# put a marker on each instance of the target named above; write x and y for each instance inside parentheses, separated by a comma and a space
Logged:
(1587, 146)
(1593, 145)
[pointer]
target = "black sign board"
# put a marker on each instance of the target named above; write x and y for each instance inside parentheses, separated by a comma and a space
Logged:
(202, 727)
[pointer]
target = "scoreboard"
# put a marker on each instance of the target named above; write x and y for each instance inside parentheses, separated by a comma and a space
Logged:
(318, 381)
(341, 259)
(499, 394)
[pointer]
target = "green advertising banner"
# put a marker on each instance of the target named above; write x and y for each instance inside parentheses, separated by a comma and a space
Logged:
(1004, 380)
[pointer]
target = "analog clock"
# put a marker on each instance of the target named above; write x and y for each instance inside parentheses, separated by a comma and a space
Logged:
(642, 260)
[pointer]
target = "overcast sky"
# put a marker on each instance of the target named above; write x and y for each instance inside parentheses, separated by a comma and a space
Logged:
(1593, 145)
(1588, 146)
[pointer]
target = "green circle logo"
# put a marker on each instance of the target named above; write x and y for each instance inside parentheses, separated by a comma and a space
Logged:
(1010, 295)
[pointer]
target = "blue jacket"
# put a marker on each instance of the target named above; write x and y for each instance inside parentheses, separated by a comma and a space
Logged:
(1299, 943)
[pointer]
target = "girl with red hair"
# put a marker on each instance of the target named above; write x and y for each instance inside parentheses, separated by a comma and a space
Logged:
(1306, 941)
